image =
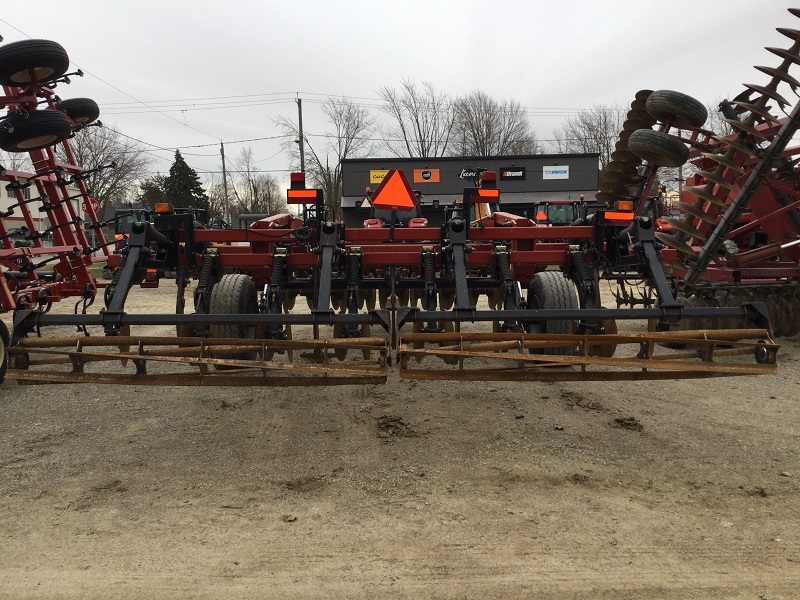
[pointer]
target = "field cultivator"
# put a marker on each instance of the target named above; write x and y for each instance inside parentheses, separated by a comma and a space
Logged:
(480, 298)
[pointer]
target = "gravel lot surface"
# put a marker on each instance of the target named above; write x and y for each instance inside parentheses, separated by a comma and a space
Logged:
(652, 490)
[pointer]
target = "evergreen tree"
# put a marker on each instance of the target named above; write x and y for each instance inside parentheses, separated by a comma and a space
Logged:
(151, 190)
(183, 186)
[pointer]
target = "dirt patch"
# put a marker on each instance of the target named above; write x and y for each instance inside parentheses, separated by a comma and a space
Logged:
(408, 490)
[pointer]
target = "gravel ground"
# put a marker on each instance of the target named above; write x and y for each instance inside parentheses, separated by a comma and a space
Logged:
(687, 489)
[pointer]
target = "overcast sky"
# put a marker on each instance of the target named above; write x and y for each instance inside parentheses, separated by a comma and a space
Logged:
(180, 73)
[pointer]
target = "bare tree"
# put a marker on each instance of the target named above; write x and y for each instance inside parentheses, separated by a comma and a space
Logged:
(422, 120)
(485, 127)
(256, 192)
(96, 146)
(215, 191)
(592, 130)
(16, 161)
(349, 137)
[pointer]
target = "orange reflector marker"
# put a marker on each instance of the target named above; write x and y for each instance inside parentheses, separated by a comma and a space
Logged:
(624, 205)
(301, 196)
(490, 194)
(163, 208)
(618, 218)
(150, 279)
(394, 193)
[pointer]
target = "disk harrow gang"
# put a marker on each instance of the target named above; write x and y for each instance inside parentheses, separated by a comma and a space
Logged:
(736, 226)
(397, 290)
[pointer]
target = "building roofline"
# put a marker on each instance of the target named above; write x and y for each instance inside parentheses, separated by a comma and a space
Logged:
(470, 158)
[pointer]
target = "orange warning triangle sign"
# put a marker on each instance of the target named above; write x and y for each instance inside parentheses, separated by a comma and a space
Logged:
(394, 193)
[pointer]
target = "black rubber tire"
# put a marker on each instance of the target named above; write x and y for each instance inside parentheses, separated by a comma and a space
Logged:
(37, 130)
(551, 290)
(81, 110)
(47, 59)
(5, 341)
(658, 148)
(679, 110)
(235, 294)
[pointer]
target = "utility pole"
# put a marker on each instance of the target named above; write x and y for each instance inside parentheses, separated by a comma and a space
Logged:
(300, 141)
(227, 207)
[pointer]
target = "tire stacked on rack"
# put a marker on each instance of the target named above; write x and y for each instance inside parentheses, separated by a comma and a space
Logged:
(732, 152)
(24, 132)
(81, 110)
(29, 61)
(37, 62)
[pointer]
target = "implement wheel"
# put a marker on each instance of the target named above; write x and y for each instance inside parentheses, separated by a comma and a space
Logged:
(679, 110)
(34, 131)
(235, 294)
(81, 110)
(48, 60)
(658, 148)
(5, 340)
(551, 290)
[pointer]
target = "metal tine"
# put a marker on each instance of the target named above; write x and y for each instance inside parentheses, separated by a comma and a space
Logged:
(748, 129)
(677, 244)
(711, 176)
(705, 194)
(768, 92)
(785, 54)
(762, 112)
(724, 160)
(687, 228)
(792, 34)
(697, 212)
(782, 75)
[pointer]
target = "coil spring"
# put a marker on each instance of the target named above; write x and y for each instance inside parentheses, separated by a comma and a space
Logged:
(429, 268)
(205, 270)
(353, 269)
(582, 268)
(505, 266)
(279, 260)
(109, 291)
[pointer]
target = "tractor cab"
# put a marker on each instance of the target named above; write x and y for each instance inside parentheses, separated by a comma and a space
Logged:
(557, 212)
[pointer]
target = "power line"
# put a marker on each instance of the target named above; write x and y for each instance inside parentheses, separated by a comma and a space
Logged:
(118, 89)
